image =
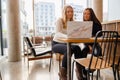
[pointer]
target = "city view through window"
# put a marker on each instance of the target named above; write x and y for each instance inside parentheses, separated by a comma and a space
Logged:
(46, 12)
(38, 17)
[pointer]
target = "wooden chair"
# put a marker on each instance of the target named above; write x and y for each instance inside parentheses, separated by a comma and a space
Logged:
(108, 44)
(118, 69)
(46, 53)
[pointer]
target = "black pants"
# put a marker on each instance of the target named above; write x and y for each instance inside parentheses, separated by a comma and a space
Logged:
(62, 49)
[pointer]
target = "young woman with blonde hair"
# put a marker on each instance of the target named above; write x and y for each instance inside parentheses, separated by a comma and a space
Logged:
(60, 47)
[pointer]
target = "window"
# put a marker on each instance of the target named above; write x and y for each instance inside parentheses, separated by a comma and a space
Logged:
(52, 9)
(78, 6)
(49, 11)
(105, 10)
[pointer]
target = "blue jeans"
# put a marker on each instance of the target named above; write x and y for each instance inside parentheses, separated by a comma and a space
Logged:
(62, 49)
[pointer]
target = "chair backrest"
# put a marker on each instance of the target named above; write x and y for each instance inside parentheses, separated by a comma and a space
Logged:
(108, 42)
(30, 46)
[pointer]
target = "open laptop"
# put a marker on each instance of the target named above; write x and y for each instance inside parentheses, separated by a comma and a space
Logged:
(79, 29)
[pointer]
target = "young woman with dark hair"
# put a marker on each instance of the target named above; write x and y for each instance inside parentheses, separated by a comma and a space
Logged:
(89, 15)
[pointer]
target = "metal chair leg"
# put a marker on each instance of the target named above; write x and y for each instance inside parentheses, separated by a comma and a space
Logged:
(118, 75)
(97, 75)
(50, 64)
(59, 61)
(118, 69)
(114, 72)
(0, 76)
(72, 69)
(88, 75)
(92, 76)
(50, 61)
(59, 64)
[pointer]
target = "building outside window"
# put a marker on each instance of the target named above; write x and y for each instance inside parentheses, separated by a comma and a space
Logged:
(49, 11)
(46, 12)
(78, 6)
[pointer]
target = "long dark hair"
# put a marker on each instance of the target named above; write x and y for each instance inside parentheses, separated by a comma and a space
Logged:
(93, 16)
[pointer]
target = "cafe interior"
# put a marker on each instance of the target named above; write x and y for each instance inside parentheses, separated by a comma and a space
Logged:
(27, 28)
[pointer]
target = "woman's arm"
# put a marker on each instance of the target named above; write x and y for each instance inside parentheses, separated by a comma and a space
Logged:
(59, 26)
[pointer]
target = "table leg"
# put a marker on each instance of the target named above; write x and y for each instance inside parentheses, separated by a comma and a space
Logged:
(68, 61)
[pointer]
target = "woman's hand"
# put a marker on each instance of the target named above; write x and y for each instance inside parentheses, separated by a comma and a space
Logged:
(90, 49)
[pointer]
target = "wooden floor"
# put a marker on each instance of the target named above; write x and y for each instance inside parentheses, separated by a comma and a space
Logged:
(38, 70)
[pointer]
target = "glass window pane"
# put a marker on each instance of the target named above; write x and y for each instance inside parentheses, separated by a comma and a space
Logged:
(45, 13)
(4, 25)
(105, 10)
(79, 6)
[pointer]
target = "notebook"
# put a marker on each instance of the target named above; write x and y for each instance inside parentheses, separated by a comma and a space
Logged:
(79, 29)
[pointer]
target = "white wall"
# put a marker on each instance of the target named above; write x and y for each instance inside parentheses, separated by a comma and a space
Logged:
(113, 10)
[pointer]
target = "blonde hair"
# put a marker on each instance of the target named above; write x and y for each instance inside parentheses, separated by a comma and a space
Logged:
(64, 17)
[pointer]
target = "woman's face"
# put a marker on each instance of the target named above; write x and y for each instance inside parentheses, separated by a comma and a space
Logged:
(69, 13)
(86, 15)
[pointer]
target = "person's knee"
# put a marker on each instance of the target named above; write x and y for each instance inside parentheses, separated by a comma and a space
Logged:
(58, 48)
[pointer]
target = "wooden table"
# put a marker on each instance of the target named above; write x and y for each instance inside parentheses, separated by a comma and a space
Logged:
(74, 40)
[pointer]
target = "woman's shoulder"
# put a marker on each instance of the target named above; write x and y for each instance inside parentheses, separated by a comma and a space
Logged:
(59, 20)
(97, 24)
